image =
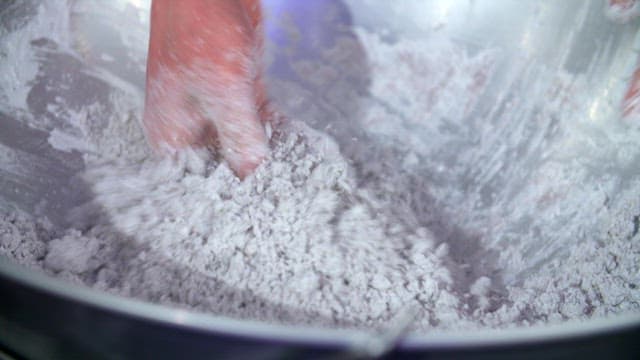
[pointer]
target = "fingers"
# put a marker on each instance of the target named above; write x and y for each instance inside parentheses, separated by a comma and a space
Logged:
(253, 10)
(204, 79)
(199, 106)
(172, 119)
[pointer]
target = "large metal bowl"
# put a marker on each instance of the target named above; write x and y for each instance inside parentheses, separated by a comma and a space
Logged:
(45, 318)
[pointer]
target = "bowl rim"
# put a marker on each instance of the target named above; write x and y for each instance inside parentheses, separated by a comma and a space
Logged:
(317, 336)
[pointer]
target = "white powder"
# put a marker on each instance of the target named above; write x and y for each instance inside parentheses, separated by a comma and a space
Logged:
(298, 233)
(426, 208)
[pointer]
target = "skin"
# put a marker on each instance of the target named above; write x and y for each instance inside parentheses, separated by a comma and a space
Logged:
(624, 4)
(204, 80)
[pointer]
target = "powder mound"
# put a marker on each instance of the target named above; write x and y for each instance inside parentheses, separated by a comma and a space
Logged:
(297, 232)
(22, 238)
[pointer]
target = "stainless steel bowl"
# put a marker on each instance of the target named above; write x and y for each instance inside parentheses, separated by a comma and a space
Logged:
(538, 43)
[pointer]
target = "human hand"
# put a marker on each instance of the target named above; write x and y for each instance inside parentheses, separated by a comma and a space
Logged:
(204, 85)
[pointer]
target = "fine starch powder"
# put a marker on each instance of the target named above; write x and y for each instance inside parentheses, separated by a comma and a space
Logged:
(349, 229)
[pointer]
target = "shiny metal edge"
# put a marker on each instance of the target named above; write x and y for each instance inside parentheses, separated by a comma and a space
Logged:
(353, 339)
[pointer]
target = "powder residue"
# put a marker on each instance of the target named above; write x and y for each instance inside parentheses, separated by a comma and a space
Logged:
(411, 196)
